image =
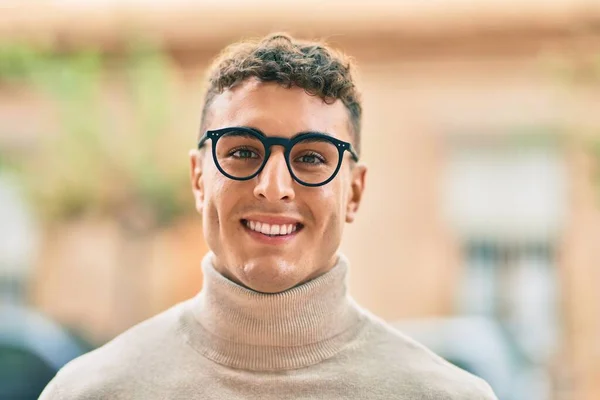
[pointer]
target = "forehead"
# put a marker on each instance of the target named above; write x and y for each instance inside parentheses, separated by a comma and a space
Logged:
(277, 110)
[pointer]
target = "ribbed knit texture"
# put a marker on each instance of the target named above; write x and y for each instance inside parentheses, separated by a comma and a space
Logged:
(229, 342)
(302, 326)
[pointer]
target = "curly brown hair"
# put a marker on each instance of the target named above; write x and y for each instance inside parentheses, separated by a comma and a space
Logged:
(318, 69)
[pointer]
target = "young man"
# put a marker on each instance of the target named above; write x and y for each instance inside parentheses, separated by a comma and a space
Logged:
(275, 177)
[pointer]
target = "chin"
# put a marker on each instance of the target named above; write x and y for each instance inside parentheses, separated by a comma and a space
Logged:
(270, 276)
(268, 288)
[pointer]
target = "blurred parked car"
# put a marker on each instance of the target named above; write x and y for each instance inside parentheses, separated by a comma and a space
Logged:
(32, 349)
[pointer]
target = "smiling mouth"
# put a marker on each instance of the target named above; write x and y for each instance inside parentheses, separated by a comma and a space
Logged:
(272, 230)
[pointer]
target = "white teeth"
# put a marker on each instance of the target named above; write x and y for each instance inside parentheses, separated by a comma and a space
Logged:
(265, 228)
(268, 229)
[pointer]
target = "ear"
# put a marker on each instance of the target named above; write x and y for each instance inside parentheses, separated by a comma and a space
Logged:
(357, 187)
(196, 166)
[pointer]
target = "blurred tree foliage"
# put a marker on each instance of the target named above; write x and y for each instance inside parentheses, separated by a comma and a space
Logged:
(110, 156)
(578, 72)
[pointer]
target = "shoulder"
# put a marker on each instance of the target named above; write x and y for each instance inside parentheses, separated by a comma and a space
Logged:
(128, 356)
(411, 364)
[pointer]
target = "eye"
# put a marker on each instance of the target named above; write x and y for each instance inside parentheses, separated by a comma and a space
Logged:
(311, 158)
(243, 154)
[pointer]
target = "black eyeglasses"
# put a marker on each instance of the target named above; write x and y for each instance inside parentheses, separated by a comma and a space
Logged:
(241, 153)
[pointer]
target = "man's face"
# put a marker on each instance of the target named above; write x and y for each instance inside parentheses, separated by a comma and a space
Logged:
(252, 259)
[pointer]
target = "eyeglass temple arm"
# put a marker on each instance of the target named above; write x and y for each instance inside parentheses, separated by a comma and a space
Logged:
(353, 152)
(202, 141)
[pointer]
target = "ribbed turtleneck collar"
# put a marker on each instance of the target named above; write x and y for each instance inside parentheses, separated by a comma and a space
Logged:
(241, 328)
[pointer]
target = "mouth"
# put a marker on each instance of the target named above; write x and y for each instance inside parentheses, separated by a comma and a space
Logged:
(272, 230)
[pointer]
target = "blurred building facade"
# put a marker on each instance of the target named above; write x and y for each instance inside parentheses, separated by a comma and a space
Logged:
(478, 132)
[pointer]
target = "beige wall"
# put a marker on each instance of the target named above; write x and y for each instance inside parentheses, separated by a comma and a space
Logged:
(406, 259)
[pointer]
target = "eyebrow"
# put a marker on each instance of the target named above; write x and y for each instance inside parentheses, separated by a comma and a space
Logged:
(292, 138)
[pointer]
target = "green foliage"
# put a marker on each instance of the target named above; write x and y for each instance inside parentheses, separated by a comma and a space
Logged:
(109, 159)
(17, 62)
(578, 73)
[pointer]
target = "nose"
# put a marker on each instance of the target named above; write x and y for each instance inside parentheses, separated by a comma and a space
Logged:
(275, 182)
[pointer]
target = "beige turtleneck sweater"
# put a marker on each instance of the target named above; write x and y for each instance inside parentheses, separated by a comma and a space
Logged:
(310, 342)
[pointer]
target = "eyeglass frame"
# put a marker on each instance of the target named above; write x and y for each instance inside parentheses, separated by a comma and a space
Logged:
(286, 143)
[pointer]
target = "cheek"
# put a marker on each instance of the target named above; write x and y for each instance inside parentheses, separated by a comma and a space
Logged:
(216, 188)
(219, 204)
(329, 207)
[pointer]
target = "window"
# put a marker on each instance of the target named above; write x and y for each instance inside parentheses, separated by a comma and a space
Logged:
(506, 202)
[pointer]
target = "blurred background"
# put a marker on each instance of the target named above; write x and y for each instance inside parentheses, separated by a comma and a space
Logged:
(479, 234)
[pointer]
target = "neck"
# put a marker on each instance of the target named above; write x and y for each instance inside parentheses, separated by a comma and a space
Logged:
(243, 328)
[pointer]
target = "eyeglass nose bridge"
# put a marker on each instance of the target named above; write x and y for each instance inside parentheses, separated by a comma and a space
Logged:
(269, 142)
(277, 141)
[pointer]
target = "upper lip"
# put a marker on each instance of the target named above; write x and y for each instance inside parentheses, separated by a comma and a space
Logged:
(273, 219)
